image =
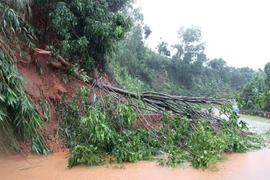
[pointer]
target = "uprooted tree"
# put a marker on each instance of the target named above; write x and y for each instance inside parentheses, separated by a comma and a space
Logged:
(134, 126)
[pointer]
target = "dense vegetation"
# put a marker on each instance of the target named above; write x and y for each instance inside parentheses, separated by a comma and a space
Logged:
(110, 35)
(187, 72)
(102, 126)
(86, 30)
(257, 90)
(17, 115)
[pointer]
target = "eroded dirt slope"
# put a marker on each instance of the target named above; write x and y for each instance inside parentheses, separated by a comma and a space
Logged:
(48, 87)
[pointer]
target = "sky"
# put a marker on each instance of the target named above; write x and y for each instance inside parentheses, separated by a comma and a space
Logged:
(236, 30)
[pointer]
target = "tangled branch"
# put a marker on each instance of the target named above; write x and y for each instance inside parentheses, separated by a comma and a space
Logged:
(173, 106)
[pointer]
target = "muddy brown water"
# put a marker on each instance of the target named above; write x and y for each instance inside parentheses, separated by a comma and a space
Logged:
(237, 166)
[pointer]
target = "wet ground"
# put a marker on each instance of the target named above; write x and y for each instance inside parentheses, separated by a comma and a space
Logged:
(237, 166)
(257, 125)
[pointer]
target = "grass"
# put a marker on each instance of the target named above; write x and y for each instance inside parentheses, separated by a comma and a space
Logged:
(256, 118)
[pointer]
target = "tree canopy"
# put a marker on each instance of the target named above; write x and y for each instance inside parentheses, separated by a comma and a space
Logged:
(257, 90)
(87, 30)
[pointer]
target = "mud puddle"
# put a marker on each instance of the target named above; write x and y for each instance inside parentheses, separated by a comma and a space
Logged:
(251, 165)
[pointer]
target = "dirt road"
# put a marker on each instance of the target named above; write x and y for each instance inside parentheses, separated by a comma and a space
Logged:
(257, 126)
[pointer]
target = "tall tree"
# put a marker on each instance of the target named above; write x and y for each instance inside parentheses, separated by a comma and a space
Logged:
(257, 90)
(267, 74)
(217, 64)
(132, 51)
(163, 48)
(189, 56)
(87, 30)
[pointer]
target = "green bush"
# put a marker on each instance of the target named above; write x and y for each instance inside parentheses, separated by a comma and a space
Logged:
(17, 113)
(109, 127)
(87, 30)
(88, 155)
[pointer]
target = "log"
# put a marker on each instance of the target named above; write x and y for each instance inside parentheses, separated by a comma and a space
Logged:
(38, 51)
(173, 106)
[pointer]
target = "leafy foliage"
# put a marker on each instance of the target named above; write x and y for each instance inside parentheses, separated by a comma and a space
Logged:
(124, 79)
(88, 155)
(13, 23)
(163, 49)
(267, 73)
(101, 126)
(17, 114)
(16, 109)
(256, 93)
(87, 29)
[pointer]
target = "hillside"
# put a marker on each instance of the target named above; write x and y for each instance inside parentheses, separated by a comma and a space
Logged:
(44, 90)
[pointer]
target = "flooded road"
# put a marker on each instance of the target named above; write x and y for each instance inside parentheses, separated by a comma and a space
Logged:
(257, 126)
(237, 166)
(248, 166)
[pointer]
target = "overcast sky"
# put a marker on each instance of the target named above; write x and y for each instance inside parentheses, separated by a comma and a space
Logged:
(236, 30)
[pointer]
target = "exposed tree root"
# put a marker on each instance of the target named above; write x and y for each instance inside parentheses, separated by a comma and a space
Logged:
(61, 64)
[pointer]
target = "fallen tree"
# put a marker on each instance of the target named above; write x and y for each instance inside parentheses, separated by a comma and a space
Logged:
(133, 126)
(158, 102)
(155, 103)
(174, 106)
